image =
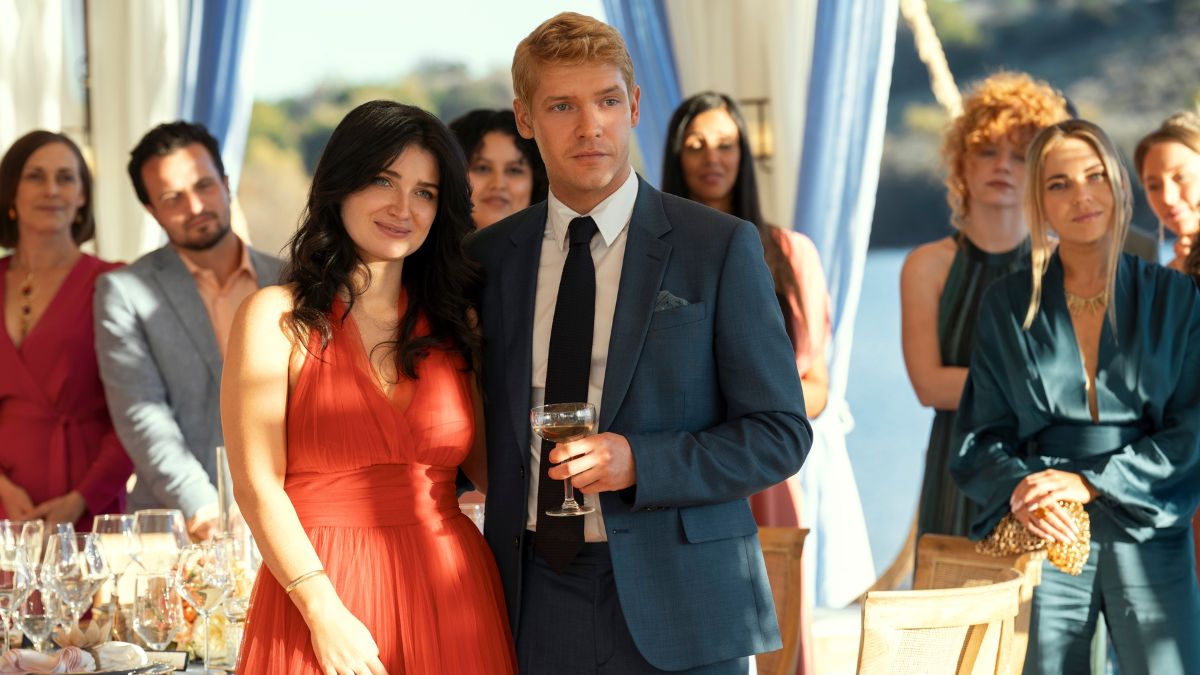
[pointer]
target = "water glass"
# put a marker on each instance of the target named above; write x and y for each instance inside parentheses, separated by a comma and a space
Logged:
(157, 611)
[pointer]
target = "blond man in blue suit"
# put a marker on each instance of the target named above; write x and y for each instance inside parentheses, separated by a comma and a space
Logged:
(687, 361)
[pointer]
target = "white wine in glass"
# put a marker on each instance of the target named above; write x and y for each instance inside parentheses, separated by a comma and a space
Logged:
(563, 423)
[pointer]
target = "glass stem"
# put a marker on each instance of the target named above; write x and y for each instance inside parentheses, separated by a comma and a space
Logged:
(568, 492)
(206, 644)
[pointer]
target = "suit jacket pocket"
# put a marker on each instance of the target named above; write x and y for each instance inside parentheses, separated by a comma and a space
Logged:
(717, 521)
(677, 316)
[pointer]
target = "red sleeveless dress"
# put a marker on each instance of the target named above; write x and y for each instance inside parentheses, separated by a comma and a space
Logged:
(372, 480)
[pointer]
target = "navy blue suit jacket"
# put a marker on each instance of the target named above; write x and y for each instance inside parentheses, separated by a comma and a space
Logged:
(706, 393)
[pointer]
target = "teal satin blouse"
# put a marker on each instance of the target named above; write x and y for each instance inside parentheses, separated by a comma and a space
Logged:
(1025, 408)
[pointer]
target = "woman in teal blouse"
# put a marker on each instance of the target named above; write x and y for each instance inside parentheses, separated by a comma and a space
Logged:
(1085, 386)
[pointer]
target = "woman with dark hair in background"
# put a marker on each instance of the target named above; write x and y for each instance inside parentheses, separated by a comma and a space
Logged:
(506, 171)
(708, 159)
(942, 282)
(60, 459)
(1083, 389)
(349, 404)
(1168, 164)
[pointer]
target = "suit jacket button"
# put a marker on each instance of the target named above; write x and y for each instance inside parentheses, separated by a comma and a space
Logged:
(517, 543)
(522, 472)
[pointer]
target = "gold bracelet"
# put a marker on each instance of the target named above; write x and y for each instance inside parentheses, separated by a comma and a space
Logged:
(302, 578)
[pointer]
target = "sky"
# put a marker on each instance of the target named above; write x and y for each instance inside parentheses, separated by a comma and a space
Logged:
(305, 42)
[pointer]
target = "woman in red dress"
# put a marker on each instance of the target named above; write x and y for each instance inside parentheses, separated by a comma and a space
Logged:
(59, 458)
(348, 406)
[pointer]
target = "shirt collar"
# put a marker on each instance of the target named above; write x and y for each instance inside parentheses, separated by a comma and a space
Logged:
(611, 215)
(245, 266)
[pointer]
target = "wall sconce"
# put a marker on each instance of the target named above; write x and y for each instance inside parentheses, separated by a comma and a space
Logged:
(758, 128)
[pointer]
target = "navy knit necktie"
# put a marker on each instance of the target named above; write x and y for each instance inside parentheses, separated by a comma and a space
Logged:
(568, 368)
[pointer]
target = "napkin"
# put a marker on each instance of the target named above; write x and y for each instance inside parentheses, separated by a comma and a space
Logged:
(97, 632)
(69, 660)
(119, 656)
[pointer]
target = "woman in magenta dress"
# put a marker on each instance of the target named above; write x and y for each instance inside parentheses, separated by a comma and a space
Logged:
(348, 406)
(59, 458)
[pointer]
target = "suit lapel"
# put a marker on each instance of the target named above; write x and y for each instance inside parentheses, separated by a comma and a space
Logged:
(645, 263)
(265, 268)
(518, 283)
(180, 290)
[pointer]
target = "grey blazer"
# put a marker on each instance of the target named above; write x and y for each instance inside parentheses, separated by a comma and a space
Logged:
(161, 369)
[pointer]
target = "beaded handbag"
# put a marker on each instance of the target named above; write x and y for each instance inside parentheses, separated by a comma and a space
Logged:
(1011, 538)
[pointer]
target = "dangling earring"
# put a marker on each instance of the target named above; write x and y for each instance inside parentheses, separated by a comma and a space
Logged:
(79, 217)
(12, 214)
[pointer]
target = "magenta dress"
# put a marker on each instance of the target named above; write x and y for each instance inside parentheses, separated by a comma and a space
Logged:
(55, 432)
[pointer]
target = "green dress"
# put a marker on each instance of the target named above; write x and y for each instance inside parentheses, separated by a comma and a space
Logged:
(943, 509)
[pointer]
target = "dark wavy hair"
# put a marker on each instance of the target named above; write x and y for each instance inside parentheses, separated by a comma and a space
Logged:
(440, 281)
(745, 191)
(471, 127)
(164, 139)
(83, 227)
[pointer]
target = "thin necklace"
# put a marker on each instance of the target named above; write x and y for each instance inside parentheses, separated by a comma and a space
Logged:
(1077, 304)
(25, 289)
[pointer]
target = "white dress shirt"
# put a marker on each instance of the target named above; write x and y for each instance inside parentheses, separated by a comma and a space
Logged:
(608, 253)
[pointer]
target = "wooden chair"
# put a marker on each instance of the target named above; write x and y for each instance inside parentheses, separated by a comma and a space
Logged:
(950, 631)
(953, 562)
(782, 548)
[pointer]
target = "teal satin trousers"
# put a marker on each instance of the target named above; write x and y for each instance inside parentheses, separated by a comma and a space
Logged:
(1148, 594)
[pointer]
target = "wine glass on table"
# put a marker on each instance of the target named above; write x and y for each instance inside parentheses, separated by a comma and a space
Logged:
(563, 423)
(118, 534)
(157, 610)
(15, 574)
(75, 567)
(203, 578)
(160, 534)
(37, 616)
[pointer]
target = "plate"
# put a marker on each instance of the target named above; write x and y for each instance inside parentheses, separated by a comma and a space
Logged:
(152, 669)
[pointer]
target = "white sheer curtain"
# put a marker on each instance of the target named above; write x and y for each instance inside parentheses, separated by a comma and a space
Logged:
(41, 76)
(764, 49)
(135, 53)
(752, 49)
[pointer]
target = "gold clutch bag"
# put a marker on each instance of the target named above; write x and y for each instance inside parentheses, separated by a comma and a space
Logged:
(1011, 538)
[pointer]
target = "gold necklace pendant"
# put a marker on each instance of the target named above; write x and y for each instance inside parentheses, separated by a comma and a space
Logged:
(1078, 304)
(25, 288)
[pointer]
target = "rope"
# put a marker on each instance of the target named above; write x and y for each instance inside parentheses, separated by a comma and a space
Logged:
(929, 49)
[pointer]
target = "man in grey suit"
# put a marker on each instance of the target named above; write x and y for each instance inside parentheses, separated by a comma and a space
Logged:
(662, 313)
(162, 323)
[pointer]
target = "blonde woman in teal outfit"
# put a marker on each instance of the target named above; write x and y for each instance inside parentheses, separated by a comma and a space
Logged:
(1083, 387)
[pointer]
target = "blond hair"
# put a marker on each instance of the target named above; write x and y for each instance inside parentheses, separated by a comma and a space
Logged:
(1006, 105)
(568, 39)
(1035, 208)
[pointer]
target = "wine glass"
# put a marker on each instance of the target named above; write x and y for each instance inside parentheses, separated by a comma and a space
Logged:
(157, 612)
(203, 579)
(75, 567)
(15, 575)
(161, 534)
(117, 533)
(37, 615)
(563, 423)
